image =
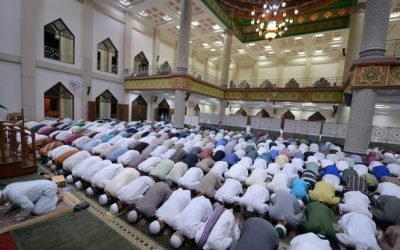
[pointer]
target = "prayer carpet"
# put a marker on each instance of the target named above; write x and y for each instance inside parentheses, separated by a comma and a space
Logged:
(75, 230)
(7, 242)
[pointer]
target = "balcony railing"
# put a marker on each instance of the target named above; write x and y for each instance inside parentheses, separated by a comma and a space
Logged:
(393, 48)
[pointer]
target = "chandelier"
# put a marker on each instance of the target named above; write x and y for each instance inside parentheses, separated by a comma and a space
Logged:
(273, 18)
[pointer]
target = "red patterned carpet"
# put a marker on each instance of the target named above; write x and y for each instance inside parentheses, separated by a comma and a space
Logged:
(7, 242)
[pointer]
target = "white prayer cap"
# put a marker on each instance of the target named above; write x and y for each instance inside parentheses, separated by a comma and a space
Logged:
(132, 216)
(70, 179)
(325, 163)
(78, 185)
(103, 199)
(114, 208)
(49, 163)
(155, 227)
(175, 241)
(89, 191)
(342, 165)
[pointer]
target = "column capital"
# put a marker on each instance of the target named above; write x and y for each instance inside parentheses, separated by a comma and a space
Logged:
(228, 32)
(359, 8)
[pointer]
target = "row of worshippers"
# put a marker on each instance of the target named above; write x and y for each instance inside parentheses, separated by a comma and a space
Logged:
(236, 156)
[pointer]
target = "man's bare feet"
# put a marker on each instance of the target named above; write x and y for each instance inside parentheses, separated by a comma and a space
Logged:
(167, 232)
(292, 234)
(60, 195)
(142, 222)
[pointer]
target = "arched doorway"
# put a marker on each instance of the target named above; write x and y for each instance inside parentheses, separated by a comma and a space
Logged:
(139, 109)
(263, 113)
(58, 102)
(317, 117)
(141, 65)
(106, 105)
(241, 112)
(163, 111)
(288, 115)
(196, 110)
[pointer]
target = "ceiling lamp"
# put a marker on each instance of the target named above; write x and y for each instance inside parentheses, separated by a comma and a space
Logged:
(272, 18)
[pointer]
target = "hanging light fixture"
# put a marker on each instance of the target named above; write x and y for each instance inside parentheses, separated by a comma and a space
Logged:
(272, 18)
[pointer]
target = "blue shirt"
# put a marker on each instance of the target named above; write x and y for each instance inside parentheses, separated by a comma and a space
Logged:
(380, 171)
(299, 188)
(231, 159)
(332, 169)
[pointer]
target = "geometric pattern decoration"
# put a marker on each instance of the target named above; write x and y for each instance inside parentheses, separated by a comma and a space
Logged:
(292, 83)
(244, 85)
(322, 83)
(290, 126)
(394, 76)
(267, 84)
(371, 75)
(385, 135)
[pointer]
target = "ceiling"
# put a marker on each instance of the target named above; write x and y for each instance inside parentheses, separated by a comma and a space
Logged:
(207, 29)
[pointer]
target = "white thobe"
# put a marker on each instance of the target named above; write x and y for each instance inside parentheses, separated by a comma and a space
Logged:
(127, 157)
(259, 163)
(360, 169)
(223, 233)
(273, 168)
(309, 241)
(359, 232)
(62, 135)
(394, 169)
(388, 188)
(91, 170)
(59, 151)
(100, 148)
(81, 167)
(177, 171)
(126, 176)
(258, 176)
(132, 192)
(193, 216)
(280, 181)
(247, 161)
(355, 201)
(178, 200)
(107, 173)
(229, 192)
(333, 180)
(374, 164)
(291, 170)
(72, 161)
(191, 178)
(220, 168)
(149, 164)
(255, 199)
(299, 163)
(158, 151)
(238, 172)
(168, 153)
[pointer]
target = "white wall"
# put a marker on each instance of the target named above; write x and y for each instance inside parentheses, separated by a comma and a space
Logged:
(10, 26)
(105, 27)
(167, 53)
(71, 13)
(324, 70)
(117, 89)
(385, 120)
(10, 88)
(267, 73)
(142, 42)
(293, 72)
(45, 79)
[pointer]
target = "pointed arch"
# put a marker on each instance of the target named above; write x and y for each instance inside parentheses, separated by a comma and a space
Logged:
(196, 110)
(59, 42)
(139, 109)
(165, 69)
(141, 64)
(263, 113)
(163, 111)
(107, 56)
(288, 115)
(58, 102)
(106, 105)
(241, 112)
(317, 116)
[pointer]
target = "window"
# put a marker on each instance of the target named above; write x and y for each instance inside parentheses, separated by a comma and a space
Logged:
(59, 42)
(107, 57)
(58, 102)
(106, 105)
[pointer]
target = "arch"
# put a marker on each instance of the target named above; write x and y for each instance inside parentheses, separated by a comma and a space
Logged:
(267, 84)
(106, 105)
(141, 65)
(292, 83)
(322, 83)
(139, 109)
(58, 102)
(263, 113)
(107, 56)
(196, 110)
(317, 116)
(288, 115)
(241, 112)
(59, 42)
(165, 69)
(163, 111)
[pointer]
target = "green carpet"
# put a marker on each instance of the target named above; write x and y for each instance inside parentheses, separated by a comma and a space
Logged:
(28, 177)
(80, 230)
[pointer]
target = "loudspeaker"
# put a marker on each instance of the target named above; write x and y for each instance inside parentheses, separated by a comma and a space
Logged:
(154, 98)
(347, 99)
(158, 58)
(344, 51)
(88, 90)
(227, 104)
(187, 96)
(335, 109)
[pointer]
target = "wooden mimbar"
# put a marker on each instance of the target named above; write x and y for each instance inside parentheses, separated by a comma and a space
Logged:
(17, 154)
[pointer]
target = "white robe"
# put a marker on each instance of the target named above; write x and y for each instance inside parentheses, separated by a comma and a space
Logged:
(178, 200)
(359, 232)
(177, 171)
(360, 169)
(259, 163)
(132, 192)
(59, 151)
(149, 164)
(158, 151)
(83, 165)
(280, 181)
(193, 216)
(273, 168)
(223, 233)
(220, 168)
(355, 201)
(388, 188)
(229, 192)
(238, 172)
(255, 199)
(72, 161)
(309, 241)
(291, 171)
(167, 154)
(394, 169)
(127, 175)
(258, 176)
(127, 157)
(333, 180)
(191, 178)
(106, 174)
(100, 148)
(91, 170)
